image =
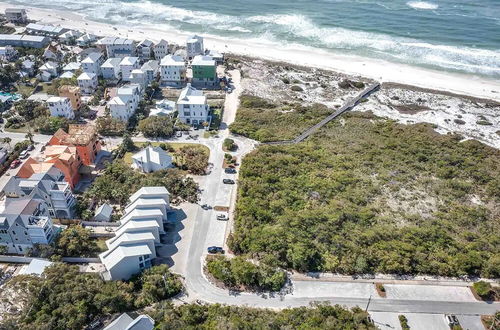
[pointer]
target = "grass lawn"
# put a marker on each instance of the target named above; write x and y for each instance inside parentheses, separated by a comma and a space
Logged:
(24, 90)
(176, 145)
(101, 243)
(23, 129)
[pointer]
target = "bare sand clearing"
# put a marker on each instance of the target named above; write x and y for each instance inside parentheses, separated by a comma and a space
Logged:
(375, 69)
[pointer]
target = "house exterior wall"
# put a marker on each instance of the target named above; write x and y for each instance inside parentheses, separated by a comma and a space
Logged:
(88, 86)
(193, 114)
(110, 72)
(73, 94)
(172, 75)
(62, 108)
(129, 266)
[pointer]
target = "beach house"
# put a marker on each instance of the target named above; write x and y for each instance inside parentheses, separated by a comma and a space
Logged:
(16, 15)
(81, 136)
(127, 65)
(86, 39)
(45, 30)
(151, 159)
(125, 322)
(60, 107)
(163, 107)
(69, 37)
(48, 71)
(48, 186)
(111, 69)
(92, 63)
(192, 106)
(8, 54)
(28, 66)
(124, 104)
(18, 40)
(133, 247)
(117, 47)
(172, 71)
(103, 213)
(144, 49)
(160, 49)
(151, 69)
(87, 82)
(204, 72)
(53, 52)
(23, 223)
(138, 77)
(194, 46)
(73, 94)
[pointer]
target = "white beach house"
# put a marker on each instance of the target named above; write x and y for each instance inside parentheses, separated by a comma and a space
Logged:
(161, 49)
(194, 46)
(192, 106)
(172, 71)
(151, 69)
(127, 65)
(87, 82)
(151, 159)
(111, 69)
(60, 107)
(92, 63)
(144, 49)
(117, 47)
(124, 104)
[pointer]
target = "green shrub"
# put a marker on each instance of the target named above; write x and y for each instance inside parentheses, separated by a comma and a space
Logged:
(483, 289)
(239, 272)
(404, 322)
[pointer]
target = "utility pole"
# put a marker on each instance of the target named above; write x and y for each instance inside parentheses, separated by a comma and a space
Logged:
(368, 304)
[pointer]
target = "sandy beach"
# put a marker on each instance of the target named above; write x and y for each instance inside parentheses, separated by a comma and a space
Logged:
(382, 71)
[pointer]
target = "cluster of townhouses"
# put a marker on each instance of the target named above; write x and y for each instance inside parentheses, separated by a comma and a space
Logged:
(131, 65)
(133, 248)
(42, 189)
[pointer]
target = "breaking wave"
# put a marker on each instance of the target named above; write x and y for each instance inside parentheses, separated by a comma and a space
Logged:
(422, 5)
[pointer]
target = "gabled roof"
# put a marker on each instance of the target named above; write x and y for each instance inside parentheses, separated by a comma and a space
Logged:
(203, 60)
(92, 58)
(172, 60)
(191, 95)
(105, 210)
(145, 43)
(112, 62)
(150, 65)
(86, 76)
(148, 192)
(72, 66)
(112, 257)
(129, 60)
(130, 238)
(162, 42)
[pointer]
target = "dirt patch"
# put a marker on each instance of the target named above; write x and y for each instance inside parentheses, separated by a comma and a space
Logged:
(380, 290)
(411, 108)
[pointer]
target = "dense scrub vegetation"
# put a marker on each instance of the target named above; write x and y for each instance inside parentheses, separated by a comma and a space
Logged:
(264, 121)
(237, 272)
(370, 195)
(217, 316)
(120, 181)
(64, 298)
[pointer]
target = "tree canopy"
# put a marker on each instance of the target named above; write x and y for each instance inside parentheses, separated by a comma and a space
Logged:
(157, 127)
(370, 195)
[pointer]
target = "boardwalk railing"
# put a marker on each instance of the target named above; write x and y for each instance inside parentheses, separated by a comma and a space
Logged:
(351, 103)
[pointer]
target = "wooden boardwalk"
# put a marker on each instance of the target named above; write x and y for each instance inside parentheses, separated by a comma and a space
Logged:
(350, 104)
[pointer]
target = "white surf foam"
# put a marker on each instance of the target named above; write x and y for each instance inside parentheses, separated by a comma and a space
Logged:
(422, 5)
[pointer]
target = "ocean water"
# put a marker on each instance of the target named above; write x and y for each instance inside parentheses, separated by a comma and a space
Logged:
(450, 35)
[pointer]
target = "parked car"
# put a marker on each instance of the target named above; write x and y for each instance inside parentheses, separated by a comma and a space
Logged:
(206, 207)
(30, 147)
(178, 134)
(230, 170)
(222, 217)
(15, 163)
(228, 181)
(452, 320)
(24, 154)
(229, 90)
(215, 250)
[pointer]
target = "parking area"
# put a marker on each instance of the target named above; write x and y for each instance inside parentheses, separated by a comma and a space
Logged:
(428, 292)
(333, 289)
